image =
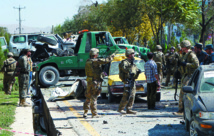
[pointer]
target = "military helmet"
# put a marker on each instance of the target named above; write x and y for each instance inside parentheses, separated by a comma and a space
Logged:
(10, 54)
(158, 47)
(94, 51)
(179, 48)
(172, 48)
(129, 51)
(185, 43)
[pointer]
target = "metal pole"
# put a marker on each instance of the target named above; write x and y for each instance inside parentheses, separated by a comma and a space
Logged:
(20, 21)
(161, 23)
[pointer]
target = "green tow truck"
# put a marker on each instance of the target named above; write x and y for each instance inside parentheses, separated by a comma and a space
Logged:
(54, 66)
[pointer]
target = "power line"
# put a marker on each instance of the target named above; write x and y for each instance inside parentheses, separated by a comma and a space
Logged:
(20, 21)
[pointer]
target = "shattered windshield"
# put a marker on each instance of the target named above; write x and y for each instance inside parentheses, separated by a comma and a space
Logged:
(207, 82)
(114, 70)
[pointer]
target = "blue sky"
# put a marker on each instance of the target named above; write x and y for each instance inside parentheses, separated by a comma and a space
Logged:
(40, 13)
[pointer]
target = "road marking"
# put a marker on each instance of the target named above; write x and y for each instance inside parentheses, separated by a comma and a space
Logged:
(90, 129)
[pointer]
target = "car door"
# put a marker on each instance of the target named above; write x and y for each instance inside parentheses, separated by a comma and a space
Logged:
(189, 98)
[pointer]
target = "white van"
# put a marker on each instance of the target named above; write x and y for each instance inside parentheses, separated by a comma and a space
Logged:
(3, 43)
(21, 41)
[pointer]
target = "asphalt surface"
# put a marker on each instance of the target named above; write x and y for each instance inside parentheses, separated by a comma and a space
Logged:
(145, 123)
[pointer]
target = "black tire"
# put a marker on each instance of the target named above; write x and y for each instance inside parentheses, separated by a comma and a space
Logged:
(103, 95)
(48, 76)
(192, 128)
(64, 78)
(111, 97)
(158, 97)
(46, 40)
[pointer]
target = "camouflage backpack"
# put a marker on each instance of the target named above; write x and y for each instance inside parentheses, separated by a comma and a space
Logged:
(122, 74)
(10, 65)
(158, 58)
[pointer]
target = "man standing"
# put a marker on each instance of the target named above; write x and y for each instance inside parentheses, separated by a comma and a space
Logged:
(93, 70)
(129, 69)
(8, 69)
(201, 55)
(209, 50)
(171, 60)
(159, 59)
(23, 76)
(188, 65)
(152, 80)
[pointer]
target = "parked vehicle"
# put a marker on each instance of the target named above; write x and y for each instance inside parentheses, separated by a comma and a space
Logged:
(198, 102)
(21, 41)
(3, 43)
(113, 86)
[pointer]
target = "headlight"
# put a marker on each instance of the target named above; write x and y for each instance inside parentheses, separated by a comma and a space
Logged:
(206, 115)
(117, 83)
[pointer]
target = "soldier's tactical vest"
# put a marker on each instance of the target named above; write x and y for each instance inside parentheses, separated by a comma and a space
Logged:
(92, 70)
(158, 59)
(10, 65)
(172, 59)
(132, 68)
(187, 58)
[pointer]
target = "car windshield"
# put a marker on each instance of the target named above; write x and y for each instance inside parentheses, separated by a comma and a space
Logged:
(32, 37)
(114, 70)
(19, 39)
(207, 82)
(2, 41)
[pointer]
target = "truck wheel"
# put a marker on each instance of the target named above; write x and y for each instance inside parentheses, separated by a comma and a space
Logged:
(46, 40)
(48, 76)
(158, 97)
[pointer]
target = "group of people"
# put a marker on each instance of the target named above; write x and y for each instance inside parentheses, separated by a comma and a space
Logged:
(21, 68)
(185, 61)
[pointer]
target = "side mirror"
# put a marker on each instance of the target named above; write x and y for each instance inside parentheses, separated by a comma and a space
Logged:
(188, 89)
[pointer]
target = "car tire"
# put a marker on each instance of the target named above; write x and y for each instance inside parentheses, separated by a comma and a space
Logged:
(103, 95)
(158, 97)
(111, 97)
(192, 129)
(46, 40)
(48, 76)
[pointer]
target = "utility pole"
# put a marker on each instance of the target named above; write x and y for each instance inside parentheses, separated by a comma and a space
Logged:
(20, 21)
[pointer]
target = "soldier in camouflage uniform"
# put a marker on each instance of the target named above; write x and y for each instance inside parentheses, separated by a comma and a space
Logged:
(128, 67)
(23, 76)
(189, 64)
(159, 59)
(94, 79)
(8, 69)
(171, 60)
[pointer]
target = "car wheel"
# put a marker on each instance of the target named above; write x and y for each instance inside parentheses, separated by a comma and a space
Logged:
(103, 95)
(46, 40)
(110, 96)
(158, 97)
(192, 129)
(48, 76)
(186, 122)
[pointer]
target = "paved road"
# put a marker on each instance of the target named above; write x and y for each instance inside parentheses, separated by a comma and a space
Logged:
(145, 123)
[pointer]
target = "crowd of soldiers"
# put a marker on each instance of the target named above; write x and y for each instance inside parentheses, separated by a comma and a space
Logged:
(20, 68)
(185, 61)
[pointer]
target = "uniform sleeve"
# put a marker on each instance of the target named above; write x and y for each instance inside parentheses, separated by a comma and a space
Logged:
(103, 60)
(194, 61)
(25, 61)
(164, 61)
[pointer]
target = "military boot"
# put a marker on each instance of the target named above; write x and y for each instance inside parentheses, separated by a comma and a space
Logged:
(130, 112)
(24, 104)
(122, 111)
(85, 113)
(96, 116)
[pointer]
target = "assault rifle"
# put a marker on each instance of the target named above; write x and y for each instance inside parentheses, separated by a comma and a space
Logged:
(130, 84)
(177, 77)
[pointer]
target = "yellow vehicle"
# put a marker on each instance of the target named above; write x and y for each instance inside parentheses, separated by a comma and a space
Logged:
(113, 86)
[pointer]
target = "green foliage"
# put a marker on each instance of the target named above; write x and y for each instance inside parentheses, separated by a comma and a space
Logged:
(152, 45)
(8, 105)
(4, 32)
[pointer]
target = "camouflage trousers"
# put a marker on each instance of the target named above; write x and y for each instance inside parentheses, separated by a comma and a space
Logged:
(23, 85)
(169, 73)
(125, 101)
(8, 83)
(184, 82)
(92, 92)
(151, 94)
